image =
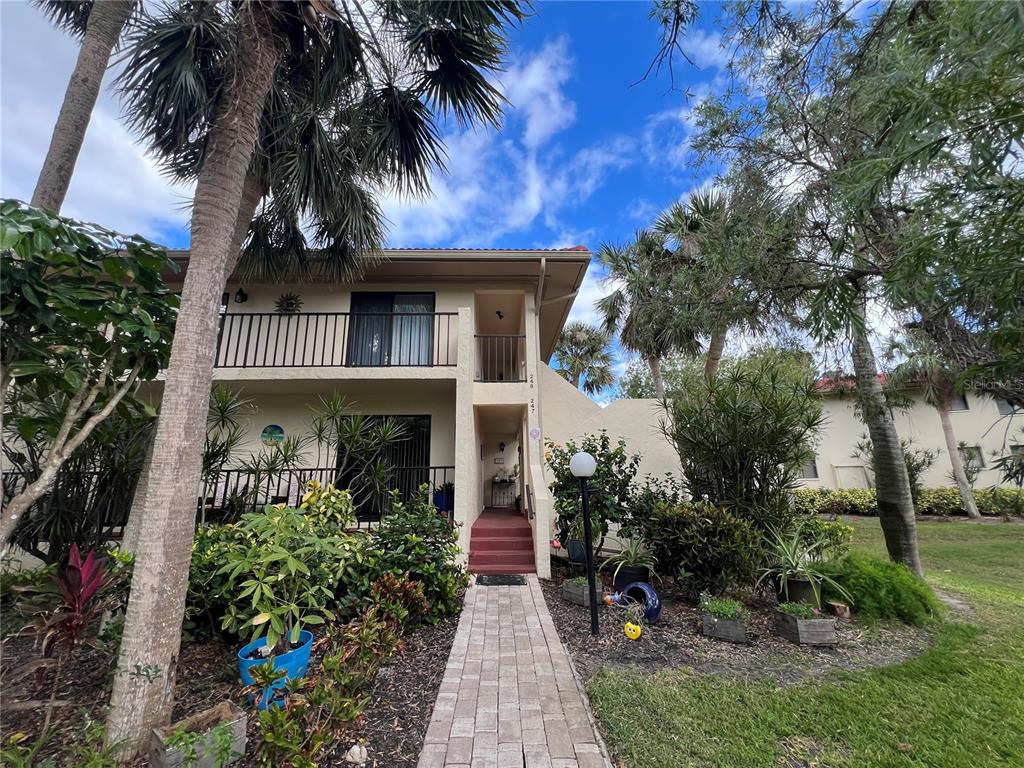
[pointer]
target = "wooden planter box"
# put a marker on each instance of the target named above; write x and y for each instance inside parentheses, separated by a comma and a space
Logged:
(806, 631)
(578, 594)
(733, 630)
(163, 756)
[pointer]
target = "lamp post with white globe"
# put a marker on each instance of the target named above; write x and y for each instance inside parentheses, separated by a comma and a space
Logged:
(583, 466)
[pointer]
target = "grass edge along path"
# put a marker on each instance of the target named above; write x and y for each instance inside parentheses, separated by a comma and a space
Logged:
(961, 704)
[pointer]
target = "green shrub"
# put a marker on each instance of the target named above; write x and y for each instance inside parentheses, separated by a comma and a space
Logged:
(611, 487)
(809, 501)
(413, 541)
(706, 547)
(883, 590)
(318, 708)
(1003, 502)
(721, 608)
(941, 501)
(282, 573)
(743, 435)
(399, 600)
(945, 502)
(833, 536)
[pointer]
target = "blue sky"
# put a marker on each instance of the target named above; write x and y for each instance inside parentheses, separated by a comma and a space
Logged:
(586, 154)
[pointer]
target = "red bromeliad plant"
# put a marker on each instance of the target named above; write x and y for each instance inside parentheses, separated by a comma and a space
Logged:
(65, 613)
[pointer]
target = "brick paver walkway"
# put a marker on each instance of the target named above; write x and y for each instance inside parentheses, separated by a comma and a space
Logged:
(509, 698)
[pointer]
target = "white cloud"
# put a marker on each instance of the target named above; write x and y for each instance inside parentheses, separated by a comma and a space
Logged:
(534, 88)
(704, 47)
(592, 289)
(114, 184)
(518, 179)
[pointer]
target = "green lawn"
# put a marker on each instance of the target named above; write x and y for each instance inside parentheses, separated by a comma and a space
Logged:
(960, 704)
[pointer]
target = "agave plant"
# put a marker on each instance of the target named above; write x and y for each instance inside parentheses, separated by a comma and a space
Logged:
(632, 555)
(796, 555)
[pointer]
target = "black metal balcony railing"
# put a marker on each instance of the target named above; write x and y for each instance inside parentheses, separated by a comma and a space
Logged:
(336, 339)
(500, 357)
(237, 491)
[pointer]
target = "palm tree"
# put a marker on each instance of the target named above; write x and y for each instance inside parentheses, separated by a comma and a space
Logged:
(924, 365)
(892, 481)
(642, 303)
(377, 73)
(706, 224)
(99, 24)
(584, 357)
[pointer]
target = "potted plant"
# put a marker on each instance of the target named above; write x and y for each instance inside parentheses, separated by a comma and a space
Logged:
(794, 567)
(574, 544)
(281, 576)
(444, 497)
(632, 563)
(723, 619)
(209, 739)
(804, 624)
(576, 591)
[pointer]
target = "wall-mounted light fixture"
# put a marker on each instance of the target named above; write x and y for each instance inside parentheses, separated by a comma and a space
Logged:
(241, 296)
(500, 314)
(501, 447)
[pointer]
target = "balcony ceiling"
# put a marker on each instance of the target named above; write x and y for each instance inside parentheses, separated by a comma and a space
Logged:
(563, 272)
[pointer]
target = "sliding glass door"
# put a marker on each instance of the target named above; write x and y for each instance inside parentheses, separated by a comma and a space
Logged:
(388, 329)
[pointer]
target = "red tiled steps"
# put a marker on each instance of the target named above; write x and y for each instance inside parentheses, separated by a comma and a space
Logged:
(501, 542)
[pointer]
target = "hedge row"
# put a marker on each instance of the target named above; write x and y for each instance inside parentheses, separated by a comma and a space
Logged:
(997, 502)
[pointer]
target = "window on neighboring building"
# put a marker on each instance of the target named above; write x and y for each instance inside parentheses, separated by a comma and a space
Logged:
(1005, 407)
(809, 471)
(958, 403)
(972, 456)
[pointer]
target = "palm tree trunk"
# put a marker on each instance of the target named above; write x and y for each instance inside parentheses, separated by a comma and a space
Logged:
(892, 484)
(654, 362)
(576, 380)
(252, 192)
(106, 20)
(715, 349)
(166, 524)
(956, 461)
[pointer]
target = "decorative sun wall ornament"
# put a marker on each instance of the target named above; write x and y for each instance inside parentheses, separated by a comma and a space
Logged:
(288, 304)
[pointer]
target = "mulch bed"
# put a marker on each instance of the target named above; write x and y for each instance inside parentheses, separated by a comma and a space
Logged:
(676, 641)
(392, 728)
(402, 700)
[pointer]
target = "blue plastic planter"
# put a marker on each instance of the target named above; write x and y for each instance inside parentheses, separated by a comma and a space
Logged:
(444, 501)
(294, 664)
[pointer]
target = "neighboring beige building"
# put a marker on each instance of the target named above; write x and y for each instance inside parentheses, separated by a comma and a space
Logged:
(987, 427)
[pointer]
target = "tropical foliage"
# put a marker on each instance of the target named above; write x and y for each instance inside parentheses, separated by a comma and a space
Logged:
(743, 436)
(703, 546)
(86, 315)
(610, 488)
(584, 357)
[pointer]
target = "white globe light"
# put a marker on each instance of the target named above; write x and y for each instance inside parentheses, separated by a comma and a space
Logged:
(582, 464)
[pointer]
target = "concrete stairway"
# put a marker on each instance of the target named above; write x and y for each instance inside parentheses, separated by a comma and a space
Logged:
(501, 542)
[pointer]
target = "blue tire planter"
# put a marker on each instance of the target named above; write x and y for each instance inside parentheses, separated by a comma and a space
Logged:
(644, 593)
(294, 664)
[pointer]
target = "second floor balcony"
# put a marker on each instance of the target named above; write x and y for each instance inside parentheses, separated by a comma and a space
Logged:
(337, 339)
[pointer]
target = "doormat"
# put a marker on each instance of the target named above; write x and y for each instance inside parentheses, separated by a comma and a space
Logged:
(501, 581)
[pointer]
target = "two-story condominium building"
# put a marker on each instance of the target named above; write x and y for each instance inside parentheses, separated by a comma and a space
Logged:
(450, 343)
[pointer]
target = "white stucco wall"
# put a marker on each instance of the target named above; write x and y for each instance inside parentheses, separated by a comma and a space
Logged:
(568, 414)
(980, 425)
